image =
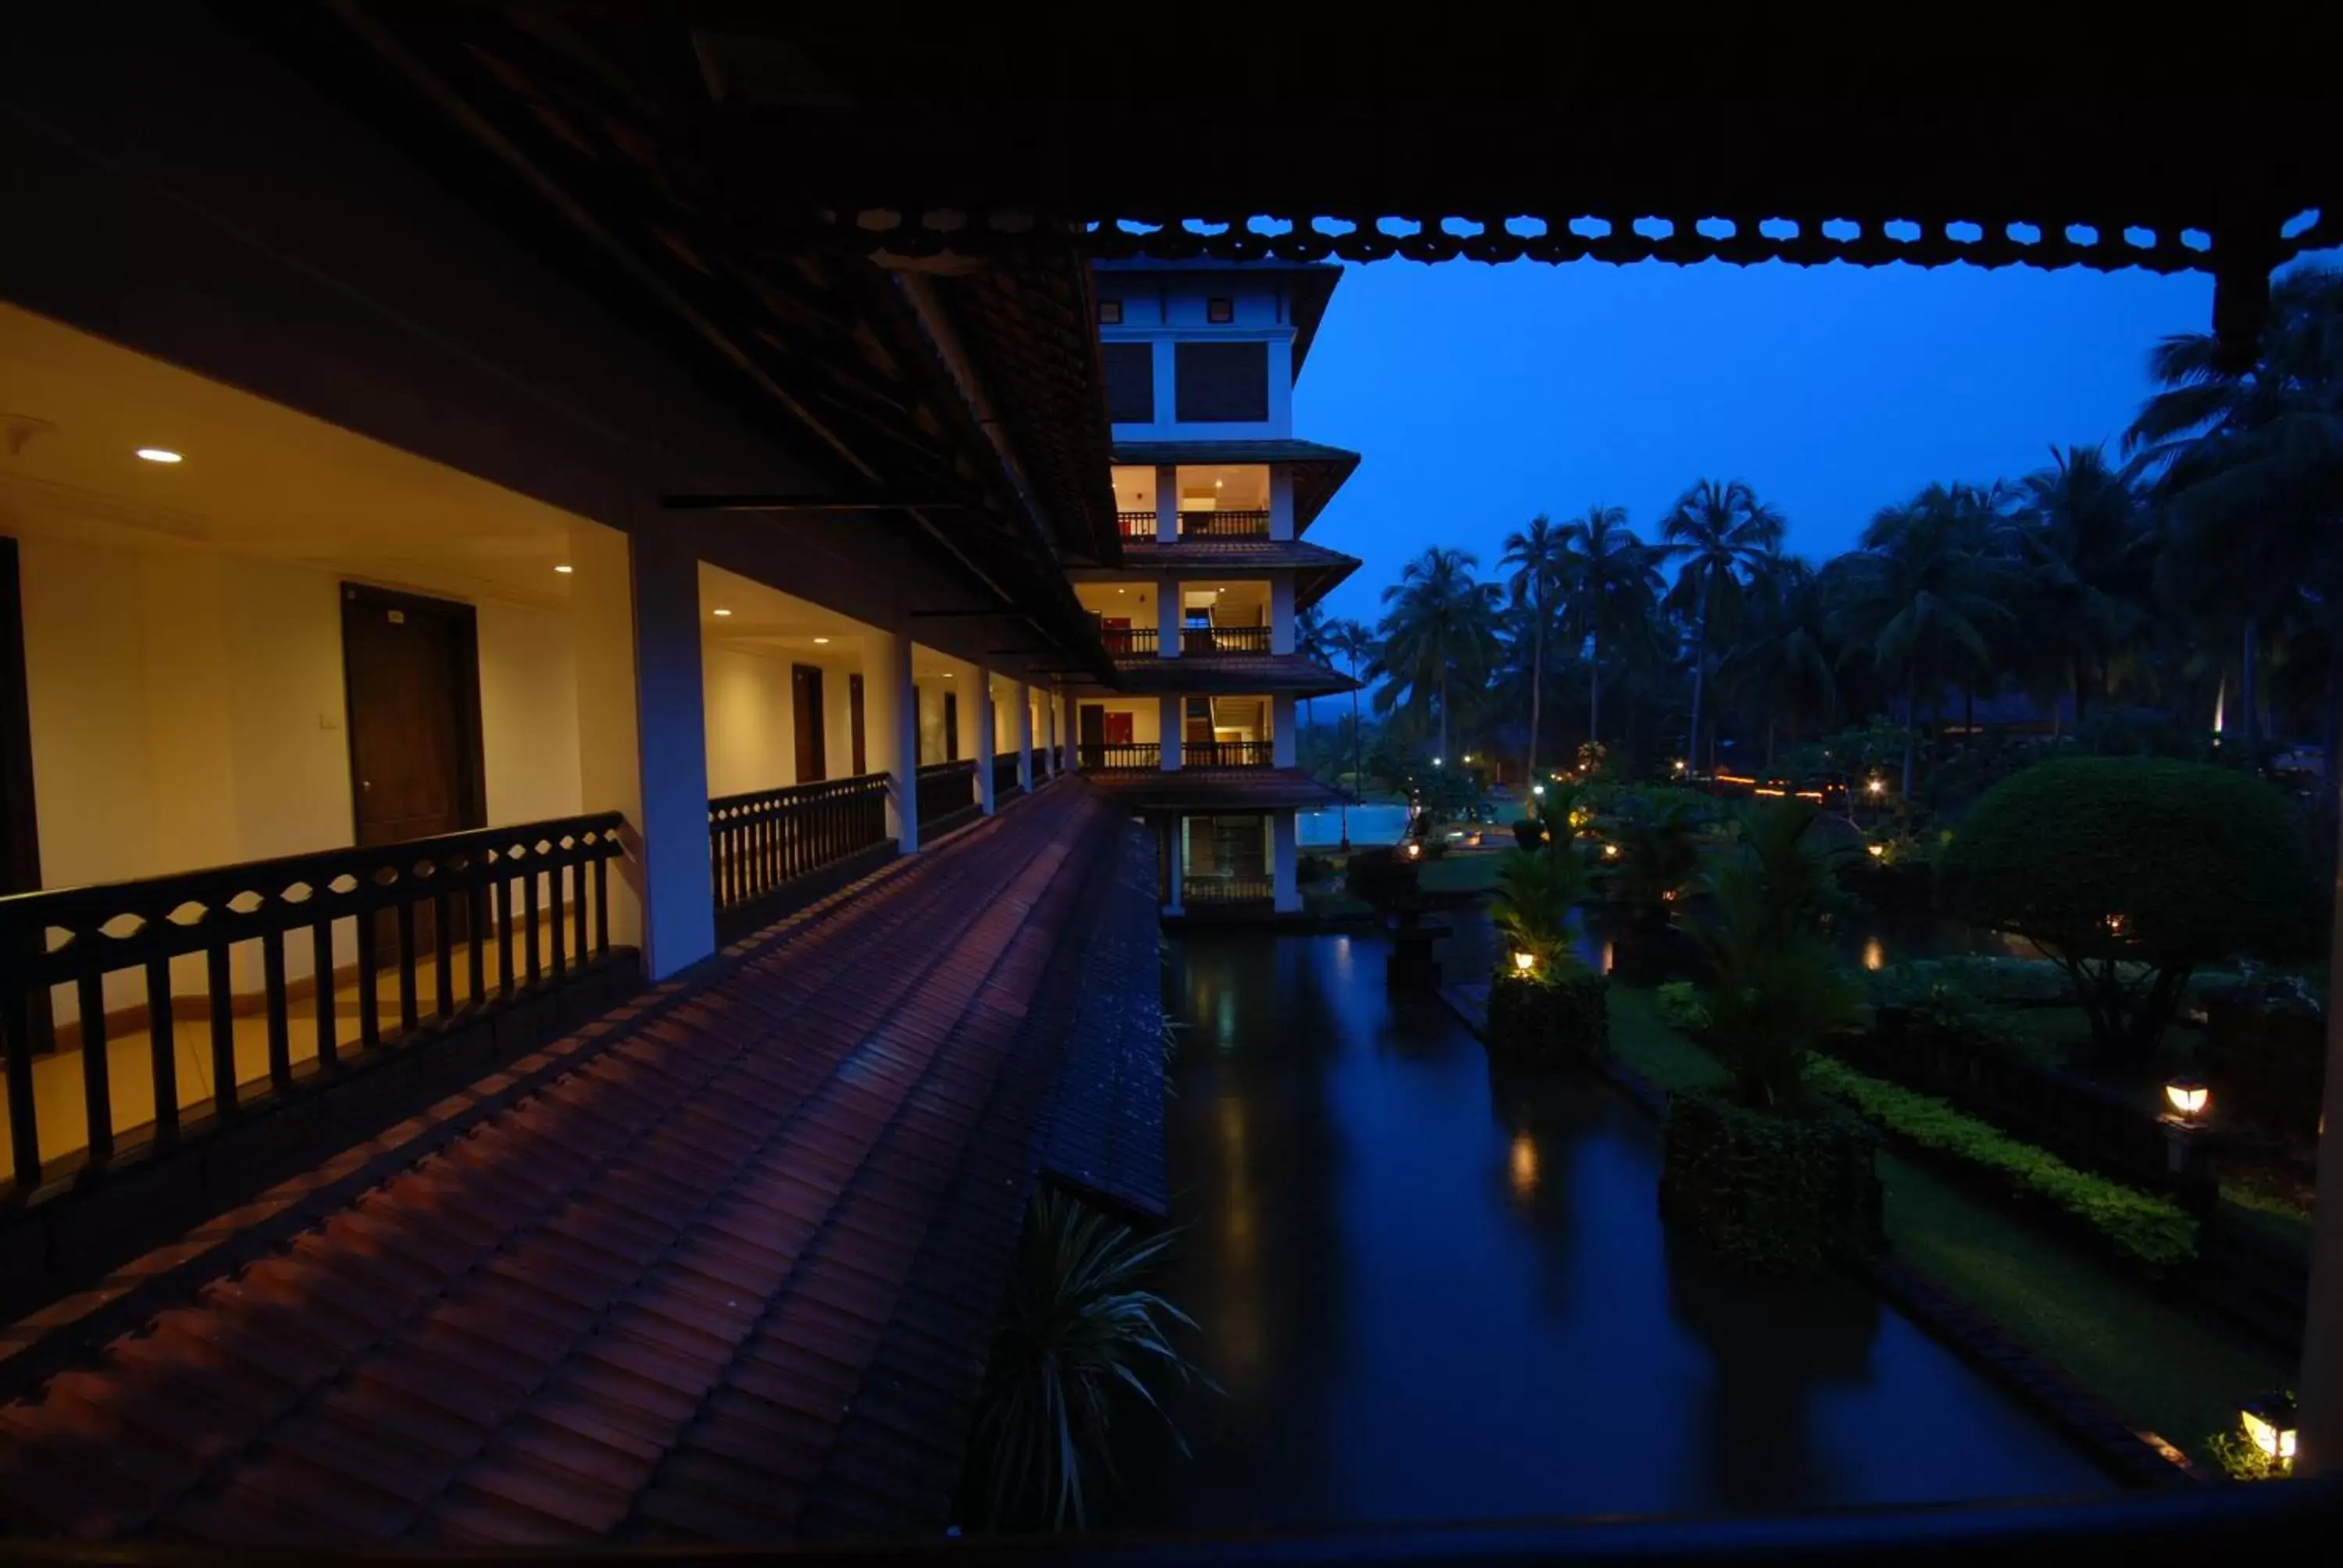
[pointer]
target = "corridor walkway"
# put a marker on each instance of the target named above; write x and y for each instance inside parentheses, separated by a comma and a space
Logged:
(730, 1276)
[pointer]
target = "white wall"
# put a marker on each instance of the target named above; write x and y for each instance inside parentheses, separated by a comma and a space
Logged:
(751, 723)
(187, 711)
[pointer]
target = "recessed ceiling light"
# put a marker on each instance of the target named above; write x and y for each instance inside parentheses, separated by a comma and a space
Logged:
(821, 639)
(947, 675)
(565, 568)
(720, 612)
(159, 455)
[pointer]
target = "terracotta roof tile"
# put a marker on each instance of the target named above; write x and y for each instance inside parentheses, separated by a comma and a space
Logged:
(1229, 673)
(731, 1276)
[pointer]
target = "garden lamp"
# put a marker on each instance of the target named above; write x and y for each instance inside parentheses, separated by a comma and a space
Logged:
(1415, 849)
(1878, 851)
(1875, 786)
(2269, 1421)
(1525, 961)
(2188, 1096)
(1537, 788)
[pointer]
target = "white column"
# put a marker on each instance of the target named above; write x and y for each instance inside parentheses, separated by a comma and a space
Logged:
(1281, 730)
(1171, 731)
(985, 741)
(1168, 612)
(1281, 613)
(1061, 716)
(679, 916)
(890, 732)
(1167, 503)
(1049, 711)
(1281, 501)
(1025, 739)
(1176, 866)
(610, 758)
(1285, 880)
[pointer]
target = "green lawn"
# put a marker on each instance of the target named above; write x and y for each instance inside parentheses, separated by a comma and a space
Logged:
(2157, 1362)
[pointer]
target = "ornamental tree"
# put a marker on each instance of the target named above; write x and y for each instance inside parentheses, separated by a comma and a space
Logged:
(2131, 872)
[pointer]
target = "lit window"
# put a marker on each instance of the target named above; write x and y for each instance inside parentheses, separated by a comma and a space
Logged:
(1110, 313)
(1220, 310)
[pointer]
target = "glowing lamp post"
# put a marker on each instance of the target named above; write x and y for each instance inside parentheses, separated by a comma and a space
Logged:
(2270, 1423)
(1875, 787)
(1610, 851)
(1537, 788)
(2188, 1097)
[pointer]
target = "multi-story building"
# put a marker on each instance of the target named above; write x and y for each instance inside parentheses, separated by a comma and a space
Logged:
(1212, 494)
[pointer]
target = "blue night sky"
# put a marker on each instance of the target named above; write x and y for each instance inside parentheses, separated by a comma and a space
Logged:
(1482, 395)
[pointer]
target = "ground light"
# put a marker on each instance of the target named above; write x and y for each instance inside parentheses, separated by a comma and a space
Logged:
(1875, 787)
(1525, 961)
(1414, 850)
(2269, 1422)
(1878, 851)
(2188, 1096)
(1610, 851)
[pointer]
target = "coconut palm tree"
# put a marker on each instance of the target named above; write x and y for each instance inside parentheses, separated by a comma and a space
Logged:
(1538, 559)
(1310, 642)
(1924, 591)
(1439, 631)
(2248, 465)
(2083, 552)
(1615, 580)
(1355, 645)
(1784, 654)
(1720, 532)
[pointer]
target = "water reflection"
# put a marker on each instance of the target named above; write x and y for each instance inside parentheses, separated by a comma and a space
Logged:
(1874, 953)
(1435, 1290)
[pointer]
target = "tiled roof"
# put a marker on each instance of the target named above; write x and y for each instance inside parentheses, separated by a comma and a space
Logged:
(1106, 1127)
(1316, 570)
(1319, 470)
(1224, 673)
(1230, 788)
(729, 1277)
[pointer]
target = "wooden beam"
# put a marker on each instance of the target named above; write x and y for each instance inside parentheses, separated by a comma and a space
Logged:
(767, 501)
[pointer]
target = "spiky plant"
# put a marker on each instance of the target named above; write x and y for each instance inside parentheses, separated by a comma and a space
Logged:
(1537, 888)
(1079, 1335)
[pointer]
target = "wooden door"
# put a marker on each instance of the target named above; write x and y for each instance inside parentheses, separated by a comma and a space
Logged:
(805, 707)
(1090, 729)
(1115, 631)
(20, 833)
(1117, 728)
(411, 676)
(854, 724)
(952, 727)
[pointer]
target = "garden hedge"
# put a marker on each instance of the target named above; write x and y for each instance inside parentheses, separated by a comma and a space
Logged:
(1539, 1020)
(2150, 1232)
(1776, 1190)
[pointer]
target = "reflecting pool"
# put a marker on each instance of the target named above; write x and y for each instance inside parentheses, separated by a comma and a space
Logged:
(1431, 1290)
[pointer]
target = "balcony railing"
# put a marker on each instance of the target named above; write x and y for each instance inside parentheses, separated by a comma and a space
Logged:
(1204, 641)
(1124, 640)
(1229, 754)
(1211, 889)
(1040, 766)
(482, 916)
(1005, 786)
(947, 794)
(1136, 525)
(763, 843)
(1224, 525)
(1123, 754)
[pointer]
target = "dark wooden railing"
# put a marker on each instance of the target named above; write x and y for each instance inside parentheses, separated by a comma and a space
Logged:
(1040, 766)
(1227, 889)
(1124, 640)
(1224, 525)
(1005, 786)
(538, 894)
(1136, 525)
(1203, 641)
(946, 791)
(761, 841)
(1228, 754)
(1128, 754)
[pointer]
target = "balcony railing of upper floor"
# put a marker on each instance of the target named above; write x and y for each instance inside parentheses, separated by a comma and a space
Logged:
(1124, 640)
(1219, 525)
(1204, 641)
(1229, 754)
(455, 927)
(768, 846)
(1101, 756)
(1199, 525)
(946, 793)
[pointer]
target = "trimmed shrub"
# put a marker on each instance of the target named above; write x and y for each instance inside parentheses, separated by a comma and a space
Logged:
(2130, 872)
(1681, 1008)
(1384, 877)
(1540, 1020)
(1313, 869)
(2265, 1054)
(1776, 1190)
(2153, 1232)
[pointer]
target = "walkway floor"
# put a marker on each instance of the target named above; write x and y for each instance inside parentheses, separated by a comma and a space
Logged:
(730, 1278)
